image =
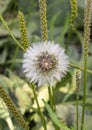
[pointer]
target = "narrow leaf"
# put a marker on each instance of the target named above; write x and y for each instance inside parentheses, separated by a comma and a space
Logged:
(54, 117)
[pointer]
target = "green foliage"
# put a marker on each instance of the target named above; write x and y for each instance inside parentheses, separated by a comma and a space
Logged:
(55, 118)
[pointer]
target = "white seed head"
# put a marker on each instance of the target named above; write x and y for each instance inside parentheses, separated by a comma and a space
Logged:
(45, 62)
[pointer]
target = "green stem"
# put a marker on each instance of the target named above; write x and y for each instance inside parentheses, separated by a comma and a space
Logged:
(50, 96)
(87, 24)
(84, 92)
(52, 102)
(39, 110)
(80, 68)
(11, 34)
(77, 124)
(54, 107)
(53, 99)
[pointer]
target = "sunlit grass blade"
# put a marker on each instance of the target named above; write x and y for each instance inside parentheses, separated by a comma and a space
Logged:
(54, 117)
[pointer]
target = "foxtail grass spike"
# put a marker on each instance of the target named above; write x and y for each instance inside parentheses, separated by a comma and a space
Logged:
(78, 80)
(43, 19)
(74, 11)
(23, 30)
(12, 108)
(86, 40)
(87, 24)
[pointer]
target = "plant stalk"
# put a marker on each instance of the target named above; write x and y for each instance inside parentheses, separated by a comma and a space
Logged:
(39, 110)
(52, 102)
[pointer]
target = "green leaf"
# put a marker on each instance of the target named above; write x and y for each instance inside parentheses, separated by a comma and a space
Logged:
(3, 56)
(52, 25)
(55, 118)
(64, 29)
(5, 115)
(3, 5)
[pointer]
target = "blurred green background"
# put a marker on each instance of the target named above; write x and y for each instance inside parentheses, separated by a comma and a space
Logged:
(11, 76)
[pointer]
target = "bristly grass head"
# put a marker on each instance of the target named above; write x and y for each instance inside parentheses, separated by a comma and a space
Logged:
(74, 13)
(23, 31)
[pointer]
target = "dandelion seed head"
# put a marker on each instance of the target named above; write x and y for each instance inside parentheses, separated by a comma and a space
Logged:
(45, 63)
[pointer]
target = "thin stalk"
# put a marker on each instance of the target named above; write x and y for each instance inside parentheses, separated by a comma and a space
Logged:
(54, 107)
(77, 99)
(53, 99)
(80, 68)
(87, 24)
(52, 102)
(84, 93)
(11, 34)
(39, 110)
(50, 96)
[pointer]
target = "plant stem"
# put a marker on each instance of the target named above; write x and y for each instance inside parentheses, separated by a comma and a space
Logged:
(77, 124)
(11, 34)
(87, 24)
(52, 102)
(53, 99)
(80, 68)
(50, 96)
(84, 93)
(39, 110)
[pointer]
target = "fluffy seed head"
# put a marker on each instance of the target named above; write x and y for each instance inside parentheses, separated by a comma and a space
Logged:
(45, 62)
